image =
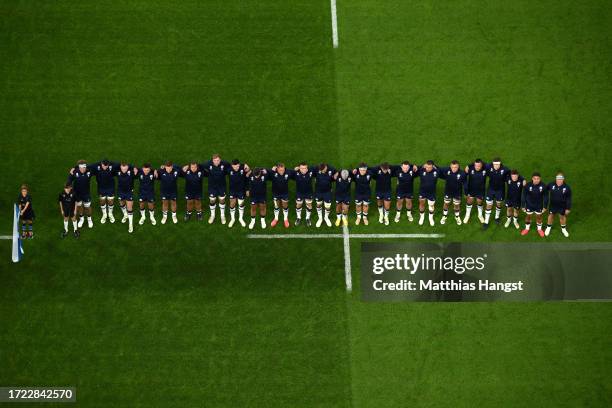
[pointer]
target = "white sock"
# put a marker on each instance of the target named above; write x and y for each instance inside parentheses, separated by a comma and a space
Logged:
(75, 225)
(286, 213)
(66, 226)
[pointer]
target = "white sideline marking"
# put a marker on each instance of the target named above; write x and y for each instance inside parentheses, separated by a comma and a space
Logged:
(334, 18)
(346, 237)
(6, 237)
(348, 276)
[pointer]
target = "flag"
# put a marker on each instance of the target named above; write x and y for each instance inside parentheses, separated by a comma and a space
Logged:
(17, 247)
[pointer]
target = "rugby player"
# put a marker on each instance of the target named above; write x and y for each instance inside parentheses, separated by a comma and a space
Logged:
(105, 177)
(323, 192)
(514, 186)
(216, 171)
(343, 196)
(80, 177)
(428, 175)
(125, 187)
(535, 200)
(560, 203)
(238, 186)
(146, 192)
(303, 191)
(193, 175)
(280, 176)
(477, 178)
(363, 192)
(382, 174)
(26, 212)
(67, 203)
(168, 175)
(405, 174)
(258, 192)
(497, 174)
(454, 186)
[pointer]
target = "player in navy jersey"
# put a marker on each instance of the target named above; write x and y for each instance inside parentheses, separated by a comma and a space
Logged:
(105, 177)
(405, 174)
(26, 212)
(535, 200)
(343, 196)
(193, 175)
(238, 189)
(258, 191)
(477, 179)
(80, 177)
(497, 174)
(382, 174)
(514, 194)
(428, 175)
(126, 174)
(362, 178)
(560, 203)
(216, 171)
(67, 205)
(146, 192)
(279, 175)
(323, 192)
(303, 191)
(453, 190)
(168, 175)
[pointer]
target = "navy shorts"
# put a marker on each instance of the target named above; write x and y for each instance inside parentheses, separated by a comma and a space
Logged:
(383, 195)
(510, 203)
(303, 196)
(362, 198)
(282, 197)
(148, 196)
(28, 215)
(258, 200)
(106, 192)
(193, 195)
(427, 195)
(400, 195)
(68, 212)
(168, 195)
(533, 209)
(216, 191)
(325, 196)
(126, 196)
(479, 194)
(82, 197)
(557, 209)
(343, 199)
(452, 196)
(497, 195)
(238, 195)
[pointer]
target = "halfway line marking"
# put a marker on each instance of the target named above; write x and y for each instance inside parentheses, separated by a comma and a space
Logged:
(334, 24)
(6, 237)
(348, 276)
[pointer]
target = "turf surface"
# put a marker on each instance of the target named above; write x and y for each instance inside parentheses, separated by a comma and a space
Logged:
(194, 315)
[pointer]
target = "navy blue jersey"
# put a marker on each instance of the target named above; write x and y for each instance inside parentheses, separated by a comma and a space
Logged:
(105, 178)
(81, 181)
(216, 174)
(193, 181)
(535, 195)
(429, 179)
(280, 182)
(257, 186)
(238, 180)
(343, 187)
(303, 182)
(23, 201)
(560, 196)
(383, 179)
(455, 181)
(362, 183)
(477, 179)
(68, 200)
(324, 180)
(146, 182)
(514, 189)
(168, 179)
(125, 180)
(405, 179)
(497, 178)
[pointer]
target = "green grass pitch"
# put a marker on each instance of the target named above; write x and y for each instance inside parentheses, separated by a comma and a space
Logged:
(199, 315)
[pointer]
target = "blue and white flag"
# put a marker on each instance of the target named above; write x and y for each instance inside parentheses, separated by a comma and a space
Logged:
(17, 247)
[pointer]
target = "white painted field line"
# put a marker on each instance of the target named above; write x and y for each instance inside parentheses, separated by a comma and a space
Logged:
(6, 237)
(348, 276)
(334, 18)
(356, 236)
